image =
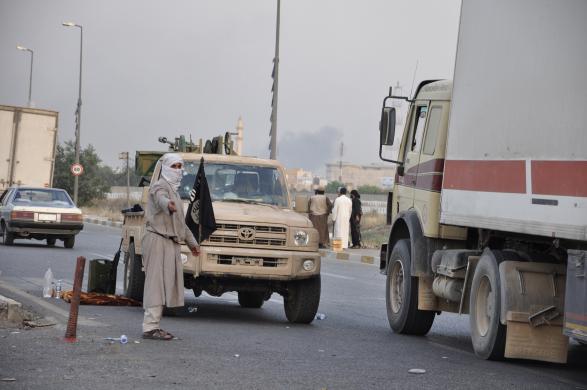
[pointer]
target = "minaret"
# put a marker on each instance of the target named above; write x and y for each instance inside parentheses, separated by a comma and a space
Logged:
(240, 126)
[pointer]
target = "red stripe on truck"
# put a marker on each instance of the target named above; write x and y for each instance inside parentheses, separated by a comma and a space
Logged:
(507, 176)
(565, 178)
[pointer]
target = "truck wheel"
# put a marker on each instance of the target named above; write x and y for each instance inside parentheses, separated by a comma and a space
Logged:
(7, 237)
(487, 332)
(69, 242)
(401, 294)
(251, 299)
(134, 276)
(51, 241)
(302, 300)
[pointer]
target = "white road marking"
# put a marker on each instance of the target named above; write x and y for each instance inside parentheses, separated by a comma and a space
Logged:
(336, 276)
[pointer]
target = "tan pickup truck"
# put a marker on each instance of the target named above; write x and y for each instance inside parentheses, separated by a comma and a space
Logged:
(261, 245)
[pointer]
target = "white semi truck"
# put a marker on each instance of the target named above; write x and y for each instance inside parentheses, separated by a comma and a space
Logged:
(489, 205)
(28, 138)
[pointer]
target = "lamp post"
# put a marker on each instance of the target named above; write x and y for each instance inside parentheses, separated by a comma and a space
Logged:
(273, 141)
(78, 111)
(31, 71)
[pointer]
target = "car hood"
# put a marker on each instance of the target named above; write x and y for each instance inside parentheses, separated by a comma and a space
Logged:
(231, 212)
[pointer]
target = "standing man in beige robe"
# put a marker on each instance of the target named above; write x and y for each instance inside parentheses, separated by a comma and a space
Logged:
(341, 215)
(165, 230)
(320, 206)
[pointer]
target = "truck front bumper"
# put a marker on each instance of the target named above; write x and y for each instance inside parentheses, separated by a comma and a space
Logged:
(252, 263)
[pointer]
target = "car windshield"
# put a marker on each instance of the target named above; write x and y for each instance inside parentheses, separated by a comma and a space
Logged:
(237, 183)
(42, 198)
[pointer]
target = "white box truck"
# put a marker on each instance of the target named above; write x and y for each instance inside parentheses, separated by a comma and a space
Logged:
(489, 205)
(28, 138)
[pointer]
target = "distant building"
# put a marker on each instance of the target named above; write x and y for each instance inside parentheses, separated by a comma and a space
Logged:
(299, 179)
(355, 175)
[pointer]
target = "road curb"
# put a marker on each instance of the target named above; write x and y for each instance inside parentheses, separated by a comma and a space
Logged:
(102, 221)
(11, 312)
(362, 257)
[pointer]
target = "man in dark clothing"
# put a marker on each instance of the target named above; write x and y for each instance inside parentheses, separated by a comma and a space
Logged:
(355, 221)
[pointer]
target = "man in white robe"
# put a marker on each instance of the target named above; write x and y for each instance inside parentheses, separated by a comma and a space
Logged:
(341, 215)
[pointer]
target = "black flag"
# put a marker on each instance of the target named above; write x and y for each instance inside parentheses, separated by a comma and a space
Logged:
(200, 215)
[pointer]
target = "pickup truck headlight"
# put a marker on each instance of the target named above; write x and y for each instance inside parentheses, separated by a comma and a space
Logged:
(301, 237)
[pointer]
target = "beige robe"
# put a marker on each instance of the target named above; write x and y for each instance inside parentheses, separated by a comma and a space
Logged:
(162, 256)
(320, 207)
(341, 215)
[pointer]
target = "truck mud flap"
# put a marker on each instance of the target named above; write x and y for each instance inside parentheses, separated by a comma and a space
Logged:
(575, 303)
(532, 307)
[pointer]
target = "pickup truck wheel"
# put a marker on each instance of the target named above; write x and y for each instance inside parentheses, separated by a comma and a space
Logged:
(134, 276)
(51, 241)
(7, 237)
(487, 332)
(251, 299)
(401, 294)
(69, 242)
(302, 300)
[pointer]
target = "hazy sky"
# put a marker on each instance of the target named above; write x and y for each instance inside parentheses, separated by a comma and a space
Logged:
(155, 68)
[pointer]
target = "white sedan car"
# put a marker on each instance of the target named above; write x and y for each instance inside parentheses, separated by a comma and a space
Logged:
(40, 214)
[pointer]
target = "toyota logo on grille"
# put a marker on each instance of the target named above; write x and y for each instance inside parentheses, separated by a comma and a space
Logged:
(246, 233)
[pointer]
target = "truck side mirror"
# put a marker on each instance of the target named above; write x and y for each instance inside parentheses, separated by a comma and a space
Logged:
(387, 126)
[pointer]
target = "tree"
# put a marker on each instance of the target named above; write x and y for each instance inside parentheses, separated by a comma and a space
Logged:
(92, 183)
(370, 189)
(333, 186)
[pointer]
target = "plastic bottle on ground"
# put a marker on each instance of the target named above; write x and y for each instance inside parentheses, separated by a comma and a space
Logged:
(58, 289)
(48, 284)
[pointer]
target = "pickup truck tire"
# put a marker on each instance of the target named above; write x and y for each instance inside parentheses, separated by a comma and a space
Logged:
(134, 276)
(69, 242)
(302, 300)
(251, 299)
(7, 237)
(487, 332)
(51, 241)
(401, 294)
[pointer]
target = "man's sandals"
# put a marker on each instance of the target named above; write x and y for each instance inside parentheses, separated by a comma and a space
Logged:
(158, 334)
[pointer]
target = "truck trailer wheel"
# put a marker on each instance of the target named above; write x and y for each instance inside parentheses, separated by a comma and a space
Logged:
(487, 332)
(401, 294)
(51, 241)
(134, 277)
(302, 300)
(7, 237)
(251, 299)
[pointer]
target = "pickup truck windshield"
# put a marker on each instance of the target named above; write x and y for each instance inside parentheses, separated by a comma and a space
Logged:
(237, 183)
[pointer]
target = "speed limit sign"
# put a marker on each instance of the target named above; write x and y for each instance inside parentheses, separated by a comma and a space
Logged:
(76, 169)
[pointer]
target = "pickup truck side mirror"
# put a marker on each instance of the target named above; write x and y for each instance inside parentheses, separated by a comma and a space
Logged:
(387, 126)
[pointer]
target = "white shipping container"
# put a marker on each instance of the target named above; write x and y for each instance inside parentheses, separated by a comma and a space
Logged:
(517, 142)
(27, 148)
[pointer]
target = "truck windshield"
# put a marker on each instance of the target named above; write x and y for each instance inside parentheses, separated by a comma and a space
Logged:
(237, 183)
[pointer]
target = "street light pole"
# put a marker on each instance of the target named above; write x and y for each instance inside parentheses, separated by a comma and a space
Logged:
(273, 145)
(78, 110)
(31, 71)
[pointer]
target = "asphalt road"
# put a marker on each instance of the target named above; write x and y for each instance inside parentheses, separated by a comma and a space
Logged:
(224, 346)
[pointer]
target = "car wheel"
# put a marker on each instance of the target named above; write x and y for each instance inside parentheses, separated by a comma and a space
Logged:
(7, 237)
(134, 276)
(51, 241)
(302, 300)
(69, 242)
(251, 299)
(402, 294)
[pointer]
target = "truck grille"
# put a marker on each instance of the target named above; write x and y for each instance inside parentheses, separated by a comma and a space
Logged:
(249, 235)
(272, 262)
